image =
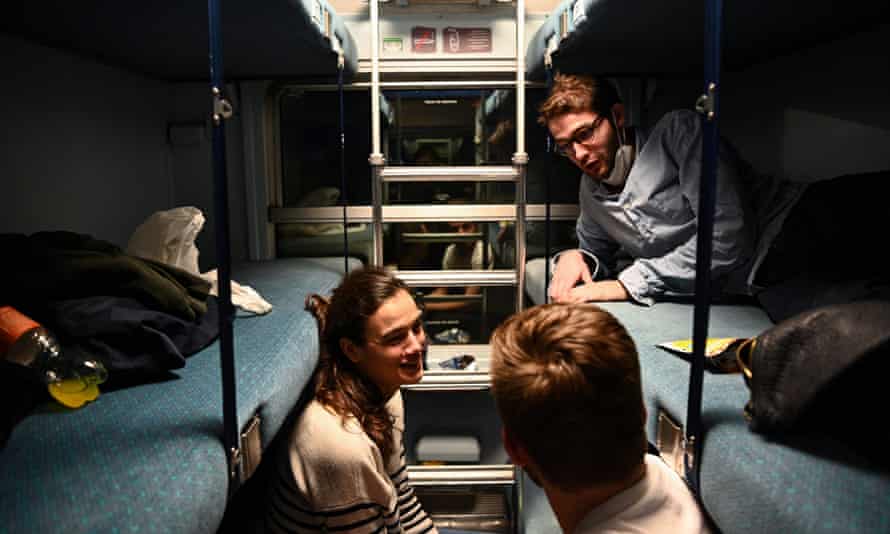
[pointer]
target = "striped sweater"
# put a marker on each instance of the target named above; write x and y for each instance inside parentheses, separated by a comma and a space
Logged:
(332, 478)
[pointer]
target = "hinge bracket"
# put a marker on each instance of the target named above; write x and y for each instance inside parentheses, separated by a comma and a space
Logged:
(222, 108)
(235, 464)
(705, 103)
(244, 459)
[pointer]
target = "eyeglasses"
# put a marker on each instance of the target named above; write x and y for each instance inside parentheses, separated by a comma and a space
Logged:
(585, 134)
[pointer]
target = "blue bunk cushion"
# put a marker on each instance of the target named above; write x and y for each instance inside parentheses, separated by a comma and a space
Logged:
(749, 483)
(276, 353)
(150, 458)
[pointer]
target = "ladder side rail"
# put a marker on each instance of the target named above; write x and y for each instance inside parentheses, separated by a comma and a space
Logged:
(520, 158)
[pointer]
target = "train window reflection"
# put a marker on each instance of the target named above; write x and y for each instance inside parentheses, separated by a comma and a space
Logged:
(465, 315)
(451, 127)
(464, 245)
(310, 147)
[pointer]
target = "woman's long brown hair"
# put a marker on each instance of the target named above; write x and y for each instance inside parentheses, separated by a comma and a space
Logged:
(339, 384)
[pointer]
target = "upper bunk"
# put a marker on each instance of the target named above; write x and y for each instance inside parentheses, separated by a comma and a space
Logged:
(169, 40)
(641, 37)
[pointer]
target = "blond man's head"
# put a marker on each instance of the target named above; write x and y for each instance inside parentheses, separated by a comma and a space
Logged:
(566, 380)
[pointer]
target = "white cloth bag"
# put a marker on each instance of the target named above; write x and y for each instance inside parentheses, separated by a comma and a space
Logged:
(169, 237)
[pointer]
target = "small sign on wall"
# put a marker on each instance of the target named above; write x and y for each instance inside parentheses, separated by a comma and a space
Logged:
(423, 39)
(466, 40)
(392, 45)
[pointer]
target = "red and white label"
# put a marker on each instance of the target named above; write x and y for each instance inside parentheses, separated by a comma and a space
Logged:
(423, 39)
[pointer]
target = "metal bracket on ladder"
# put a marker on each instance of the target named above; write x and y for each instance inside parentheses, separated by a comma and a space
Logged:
(222, 108)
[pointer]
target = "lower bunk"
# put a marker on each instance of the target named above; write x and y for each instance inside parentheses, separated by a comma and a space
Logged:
(749, 482)
(150, 457)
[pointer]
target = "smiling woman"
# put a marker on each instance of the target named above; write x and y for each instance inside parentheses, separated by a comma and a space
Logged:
(343, 468)
(393, 353)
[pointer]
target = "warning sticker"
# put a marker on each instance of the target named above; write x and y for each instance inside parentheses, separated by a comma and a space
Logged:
(466, 40)
(423, 39)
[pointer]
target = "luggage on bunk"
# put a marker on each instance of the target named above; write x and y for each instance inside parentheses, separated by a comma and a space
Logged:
(816, 372)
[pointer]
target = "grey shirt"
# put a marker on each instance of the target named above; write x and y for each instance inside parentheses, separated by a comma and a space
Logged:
(652, 222)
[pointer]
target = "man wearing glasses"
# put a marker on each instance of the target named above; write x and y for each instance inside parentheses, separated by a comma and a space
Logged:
(639, 200)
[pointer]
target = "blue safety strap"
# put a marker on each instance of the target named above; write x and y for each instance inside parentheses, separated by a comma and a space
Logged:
(707, 105)
(223, 252)
(344, 200)
(551, 169)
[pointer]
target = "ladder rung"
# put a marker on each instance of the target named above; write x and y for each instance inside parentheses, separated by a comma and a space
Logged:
(452, 298)
(359, 214)
(458, 278)
(558, 212)
(452, 381)
(449, 213)
(484, 173)
(321, 214)
(440, 237)
(462, 475)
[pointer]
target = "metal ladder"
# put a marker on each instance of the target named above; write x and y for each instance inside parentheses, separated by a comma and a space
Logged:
(488, 496)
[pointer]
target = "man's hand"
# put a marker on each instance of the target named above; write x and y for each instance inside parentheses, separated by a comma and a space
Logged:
(570, 269)
(597, 292)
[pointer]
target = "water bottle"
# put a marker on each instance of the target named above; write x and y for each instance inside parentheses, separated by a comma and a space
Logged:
(24, 341)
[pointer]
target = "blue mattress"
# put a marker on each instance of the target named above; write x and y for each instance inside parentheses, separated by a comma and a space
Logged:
(748, 483)
(150, 458)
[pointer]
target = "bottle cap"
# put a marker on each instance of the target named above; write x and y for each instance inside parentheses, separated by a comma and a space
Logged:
(13, 324)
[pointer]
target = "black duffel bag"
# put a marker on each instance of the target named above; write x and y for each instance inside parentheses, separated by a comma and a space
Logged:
(822, 371)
